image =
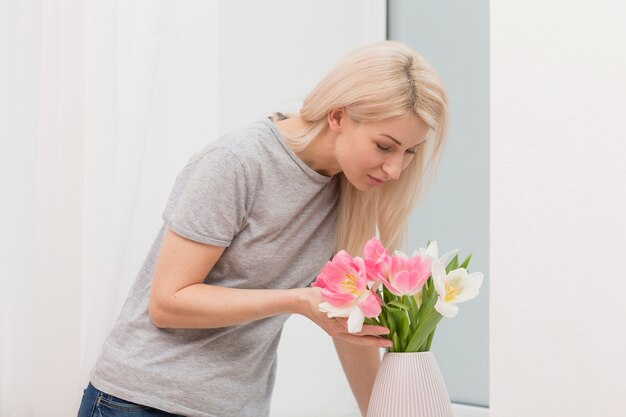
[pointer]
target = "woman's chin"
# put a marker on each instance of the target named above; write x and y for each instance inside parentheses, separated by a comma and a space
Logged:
(363, 186)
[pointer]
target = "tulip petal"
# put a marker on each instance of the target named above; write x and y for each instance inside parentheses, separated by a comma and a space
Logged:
(389, 285)
(368, 304)
(377, 297)
(343, 260)
(433, 250)
(374, 249)
(446, 309)
(476, 279)
(439, 275)
(398, 262)
(405, 283)
(331, 276)
(361, 282)
(447, 257)
(466, 295)
(419, 261)
(337, 299)
(333, 311)
(457, 278)
(355, 321)
(472, 285)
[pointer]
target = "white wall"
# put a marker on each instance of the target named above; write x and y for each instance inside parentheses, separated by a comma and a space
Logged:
(558, 204)
(270, 57)
(272, 53)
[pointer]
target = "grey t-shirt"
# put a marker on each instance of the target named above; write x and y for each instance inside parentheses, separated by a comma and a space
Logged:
(249, 192)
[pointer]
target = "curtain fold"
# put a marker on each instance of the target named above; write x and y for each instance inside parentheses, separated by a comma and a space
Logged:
(115, 163)
(90, 123)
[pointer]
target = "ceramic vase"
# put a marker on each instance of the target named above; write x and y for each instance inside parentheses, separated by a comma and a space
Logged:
(409, 384)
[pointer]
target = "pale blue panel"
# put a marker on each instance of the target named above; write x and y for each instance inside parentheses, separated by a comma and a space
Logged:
(454, 37)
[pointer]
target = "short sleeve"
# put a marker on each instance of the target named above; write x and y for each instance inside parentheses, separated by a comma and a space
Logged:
(208, 201)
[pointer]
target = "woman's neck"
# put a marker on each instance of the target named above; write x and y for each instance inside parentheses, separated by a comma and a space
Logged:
(319, 155)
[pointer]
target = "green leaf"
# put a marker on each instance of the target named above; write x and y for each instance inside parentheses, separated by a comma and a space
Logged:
(391, 307)
(404, 329)
(413, 312)
(428, 303)
(454, 263)
(399, 317)
(391, 321)
(371, 321)
(424, 300)
(466, 261)
(396, 343)
(426, 327)
(399, 305)
(400, 347)
(383, 320)
(429, 341)
(387, 295)
(431, 285)
(431, 289)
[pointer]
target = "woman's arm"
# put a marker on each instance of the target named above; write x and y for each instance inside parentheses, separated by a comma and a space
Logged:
(180, 299)
(360, 364)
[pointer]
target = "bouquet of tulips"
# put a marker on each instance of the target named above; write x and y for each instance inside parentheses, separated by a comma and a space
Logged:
(408, 295)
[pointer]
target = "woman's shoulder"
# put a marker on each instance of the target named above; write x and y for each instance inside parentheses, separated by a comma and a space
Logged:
(251, 144)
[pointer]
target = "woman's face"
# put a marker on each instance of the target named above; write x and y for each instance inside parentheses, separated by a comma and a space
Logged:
(372, 153)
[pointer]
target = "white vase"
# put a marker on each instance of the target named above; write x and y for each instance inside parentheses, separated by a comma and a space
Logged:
(409, 384)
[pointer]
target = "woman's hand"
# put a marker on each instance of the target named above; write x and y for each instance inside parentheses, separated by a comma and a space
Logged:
(338, 327)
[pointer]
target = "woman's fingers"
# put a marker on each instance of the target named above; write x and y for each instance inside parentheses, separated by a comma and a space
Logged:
(368, 336)
(368, 329)
(366, 340)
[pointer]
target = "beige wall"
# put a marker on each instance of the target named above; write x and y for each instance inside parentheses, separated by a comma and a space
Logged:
(558, 204)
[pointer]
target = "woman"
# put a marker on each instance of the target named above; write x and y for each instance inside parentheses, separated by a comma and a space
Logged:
(251, 220)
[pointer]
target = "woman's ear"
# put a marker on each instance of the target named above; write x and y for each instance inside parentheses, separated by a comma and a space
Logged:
(335, 118)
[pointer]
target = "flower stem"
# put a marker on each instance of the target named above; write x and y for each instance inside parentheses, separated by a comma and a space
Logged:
(429, 340)
(396, 343)
(372, 320)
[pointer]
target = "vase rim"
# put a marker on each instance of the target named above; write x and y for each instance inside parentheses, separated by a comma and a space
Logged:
(404, 353)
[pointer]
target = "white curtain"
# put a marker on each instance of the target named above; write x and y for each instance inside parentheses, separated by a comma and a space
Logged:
(101, 104)
(87, 160)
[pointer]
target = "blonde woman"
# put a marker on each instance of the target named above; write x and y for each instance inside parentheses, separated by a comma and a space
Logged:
(251, 220)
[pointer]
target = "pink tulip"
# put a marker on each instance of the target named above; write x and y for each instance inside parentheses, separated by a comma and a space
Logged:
(377, 260)
(344, 286)
(407, 276)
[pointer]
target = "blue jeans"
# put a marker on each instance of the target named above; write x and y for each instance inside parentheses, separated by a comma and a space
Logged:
(96, 403)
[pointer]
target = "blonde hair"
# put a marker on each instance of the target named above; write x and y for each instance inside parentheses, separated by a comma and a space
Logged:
(375, 82)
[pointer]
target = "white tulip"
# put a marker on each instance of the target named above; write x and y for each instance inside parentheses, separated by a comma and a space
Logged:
(432, 251)
(453, 288)
(350, 310)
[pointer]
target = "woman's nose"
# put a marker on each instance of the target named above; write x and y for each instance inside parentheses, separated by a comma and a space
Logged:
(393, 167)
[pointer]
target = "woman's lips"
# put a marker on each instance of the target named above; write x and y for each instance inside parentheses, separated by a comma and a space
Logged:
(375, 180)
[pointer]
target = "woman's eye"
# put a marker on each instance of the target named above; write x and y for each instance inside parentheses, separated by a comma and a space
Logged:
(386, 148)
